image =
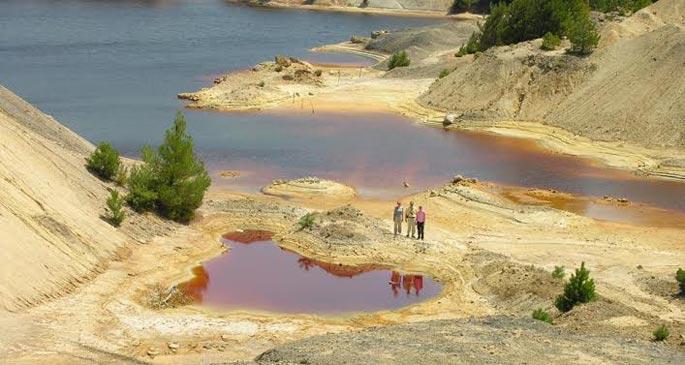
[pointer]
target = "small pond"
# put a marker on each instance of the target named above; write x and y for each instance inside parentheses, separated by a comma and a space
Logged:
(257, 274)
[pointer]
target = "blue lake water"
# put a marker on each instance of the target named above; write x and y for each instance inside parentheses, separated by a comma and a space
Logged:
(110, 70)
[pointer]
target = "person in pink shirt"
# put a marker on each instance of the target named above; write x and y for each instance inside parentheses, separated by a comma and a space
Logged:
(420, 221)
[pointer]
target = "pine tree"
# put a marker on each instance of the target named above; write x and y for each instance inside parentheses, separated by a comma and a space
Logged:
(104, 161)
(181, 176)
(582, 34)
(172, 179)
(579, 289)
(115, 205)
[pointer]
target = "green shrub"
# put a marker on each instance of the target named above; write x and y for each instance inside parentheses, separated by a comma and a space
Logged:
(306, 221)
(550, 41)
(661, 333)
(582, 34)
(444, 72)
(142, 186)
(115, 205)
(472, 45)
(317, 73)
(121, 177)
(521, 20)
(619, 5)
(399, 59)
(542, 315)
(559, 272)
(459, 6)
(172, 179)
(104, 161)
(579, 289)
(680, 278)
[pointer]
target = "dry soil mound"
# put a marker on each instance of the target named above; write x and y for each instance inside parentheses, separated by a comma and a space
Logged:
(308, 188)
(429, 48)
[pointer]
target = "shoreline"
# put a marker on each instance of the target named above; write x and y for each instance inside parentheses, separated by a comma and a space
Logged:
(358, 10)
(640, 160)
(368, 91)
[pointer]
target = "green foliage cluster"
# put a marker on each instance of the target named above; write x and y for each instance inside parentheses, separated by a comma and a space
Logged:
(171, 180)
(306, 221)
(559, 272)
(661, 333)
(443, 73)
(104, 161)
(121, 177)
(623, 6)
(399, 59)
(680, 278)
(459, 6)
(115, 208)
(579, 289)
(619, 5)
(542, 315)
(472, 46)
(583, 36)
(550, 41)
(522, 20)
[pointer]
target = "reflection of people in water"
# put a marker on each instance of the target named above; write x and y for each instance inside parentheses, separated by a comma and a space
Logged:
(418, 284)
(395, 283)
(305, 263)
(408, 283)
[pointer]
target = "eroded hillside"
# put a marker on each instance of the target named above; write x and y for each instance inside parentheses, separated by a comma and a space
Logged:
(631, 89)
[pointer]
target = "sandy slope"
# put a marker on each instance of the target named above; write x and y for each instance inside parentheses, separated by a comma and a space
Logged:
(49, 206)
(631, 89)
(52, 235)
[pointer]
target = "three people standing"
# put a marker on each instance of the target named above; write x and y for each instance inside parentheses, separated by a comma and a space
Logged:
(415, 219)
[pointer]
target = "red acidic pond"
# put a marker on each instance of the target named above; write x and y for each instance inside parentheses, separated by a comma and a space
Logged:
(257, 274)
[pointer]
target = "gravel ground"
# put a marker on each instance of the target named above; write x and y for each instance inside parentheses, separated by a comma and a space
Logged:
(491, 340)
